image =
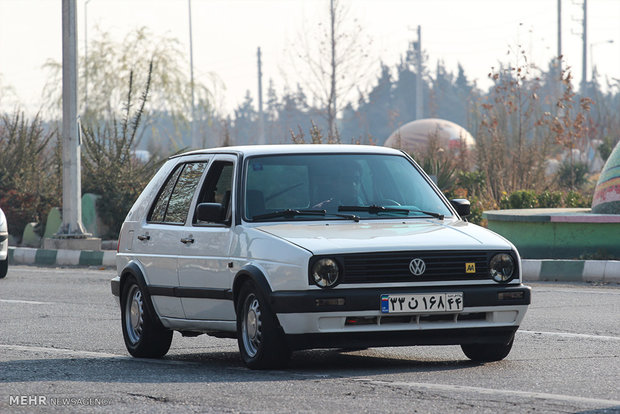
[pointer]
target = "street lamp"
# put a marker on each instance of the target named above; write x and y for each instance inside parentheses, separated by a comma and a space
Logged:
(592, 65)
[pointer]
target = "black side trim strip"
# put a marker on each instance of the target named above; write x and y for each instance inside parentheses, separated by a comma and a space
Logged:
(3, 236)
(184, 292)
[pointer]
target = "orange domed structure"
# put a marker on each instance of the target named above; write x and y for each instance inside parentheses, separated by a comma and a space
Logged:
(415, 136)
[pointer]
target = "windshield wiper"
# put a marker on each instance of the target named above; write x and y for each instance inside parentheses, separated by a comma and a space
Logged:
(430, 213)
(290, 213)
(374, 209)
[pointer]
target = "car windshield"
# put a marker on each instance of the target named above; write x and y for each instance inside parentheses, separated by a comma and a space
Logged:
(298, 187)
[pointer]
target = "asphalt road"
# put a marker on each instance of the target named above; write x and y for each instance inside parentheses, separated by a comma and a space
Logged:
(61, 350)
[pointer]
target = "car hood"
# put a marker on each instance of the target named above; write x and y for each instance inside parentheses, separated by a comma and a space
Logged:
(328, 238)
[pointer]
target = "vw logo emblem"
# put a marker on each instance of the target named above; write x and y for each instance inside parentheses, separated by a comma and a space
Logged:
(417, 266)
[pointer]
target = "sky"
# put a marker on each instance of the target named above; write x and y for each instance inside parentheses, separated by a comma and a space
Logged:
(226, 34)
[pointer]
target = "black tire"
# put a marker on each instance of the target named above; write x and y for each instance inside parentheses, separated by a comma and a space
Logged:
(144, 335)
(4, 267)
(488, 352)
(261, 342)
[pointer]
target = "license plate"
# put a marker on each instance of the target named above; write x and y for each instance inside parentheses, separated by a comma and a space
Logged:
(422, 303)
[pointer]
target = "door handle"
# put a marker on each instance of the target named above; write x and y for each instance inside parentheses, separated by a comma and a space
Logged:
(187, 240)
(144, 237)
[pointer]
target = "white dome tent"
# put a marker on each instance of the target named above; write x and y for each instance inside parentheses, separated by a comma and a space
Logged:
(414, 136)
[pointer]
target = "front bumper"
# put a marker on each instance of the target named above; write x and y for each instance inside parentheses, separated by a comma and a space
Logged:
(115, 286)
(497, 335)
(352, 317)
(369, 299)
(4, 245)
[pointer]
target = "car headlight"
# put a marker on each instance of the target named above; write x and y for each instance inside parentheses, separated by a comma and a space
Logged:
(325, 272)
(502, 267)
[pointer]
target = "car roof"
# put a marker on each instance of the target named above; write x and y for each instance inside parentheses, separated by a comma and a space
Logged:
(253, 150)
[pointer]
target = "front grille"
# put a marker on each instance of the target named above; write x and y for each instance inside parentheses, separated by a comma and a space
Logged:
(393, 267)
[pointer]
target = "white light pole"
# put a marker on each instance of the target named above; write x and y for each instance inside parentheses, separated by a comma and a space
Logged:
(195, 141)
(86, 56)
(71, 176)
(592, 65)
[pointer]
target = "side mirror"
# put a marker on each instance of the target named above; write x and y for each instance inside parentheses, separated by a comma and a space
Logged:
(210, 212)
(462, 206)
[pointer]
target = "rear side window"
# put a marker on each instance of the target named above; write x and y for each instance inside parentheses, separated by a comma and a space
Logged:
(172, 203)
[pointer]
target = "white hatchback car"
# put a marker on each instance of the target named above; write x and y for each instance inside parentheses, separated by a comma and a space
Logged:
(290, 247)
(4, 245)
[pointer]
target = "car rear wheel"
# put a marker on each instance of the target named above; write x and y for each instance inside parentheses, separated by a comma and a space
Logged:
(4, 267)
(487, 352)
(144, 335)
(261, 342)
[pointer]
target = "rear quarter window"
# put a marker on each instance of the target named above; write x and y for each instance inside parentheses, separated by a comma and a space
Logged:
(173, 201)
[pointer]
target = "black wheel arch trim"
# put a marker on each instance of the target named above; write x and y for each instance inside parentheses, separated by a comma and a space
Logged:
(133, 269)
(254, 274)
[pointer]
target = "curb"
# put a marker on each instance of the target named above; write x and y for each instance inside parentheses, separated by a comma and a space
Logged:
(48, 257)
(606, 271)
(533, 270)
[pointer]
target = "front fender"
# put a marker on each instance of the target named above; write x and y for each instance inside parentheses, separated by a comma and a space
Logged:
(118, 285)
(254, 274)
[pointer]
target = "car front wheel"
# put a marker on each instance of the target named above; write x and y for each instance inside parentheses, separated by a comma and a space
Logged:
(261, 343)
(144, 335)
(487, 352)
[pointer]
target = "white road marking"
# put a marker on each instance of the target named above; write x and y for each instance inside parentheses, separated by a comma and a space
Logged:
(494, 392)
(601, 291)
(61, 351)
(571, 335)
(28, 302)
(90, 354)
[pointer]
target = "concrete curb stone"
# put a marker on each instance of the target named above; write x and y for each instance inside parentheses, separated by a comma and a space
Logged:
(49, 257)
(605, 271)
(533, 270)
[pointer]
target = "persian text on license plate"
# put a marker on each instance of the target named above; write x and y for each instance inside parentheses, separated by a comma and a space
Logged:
(422, 303)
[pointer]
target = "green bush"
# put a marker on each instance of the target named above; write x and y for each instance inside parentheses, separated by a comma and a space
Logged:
(444, 171)
(572, 175)
(556, 199)
(548, 199)
(574, 199)
(519, 199)
(30, 173)
(476, 209)
(472, 181)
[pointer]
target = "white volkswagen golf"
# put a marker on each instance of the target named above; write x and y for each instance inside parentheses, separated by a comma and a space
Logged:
(290, 247)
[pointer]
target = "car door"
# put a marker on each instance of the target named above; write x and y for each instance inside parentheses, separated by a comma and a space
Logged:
(204, 273)
(159, 240)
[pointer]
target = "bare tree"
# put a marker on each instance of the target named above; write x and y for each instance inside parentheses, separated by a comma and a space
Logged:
(110, 64)
(337, 65)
